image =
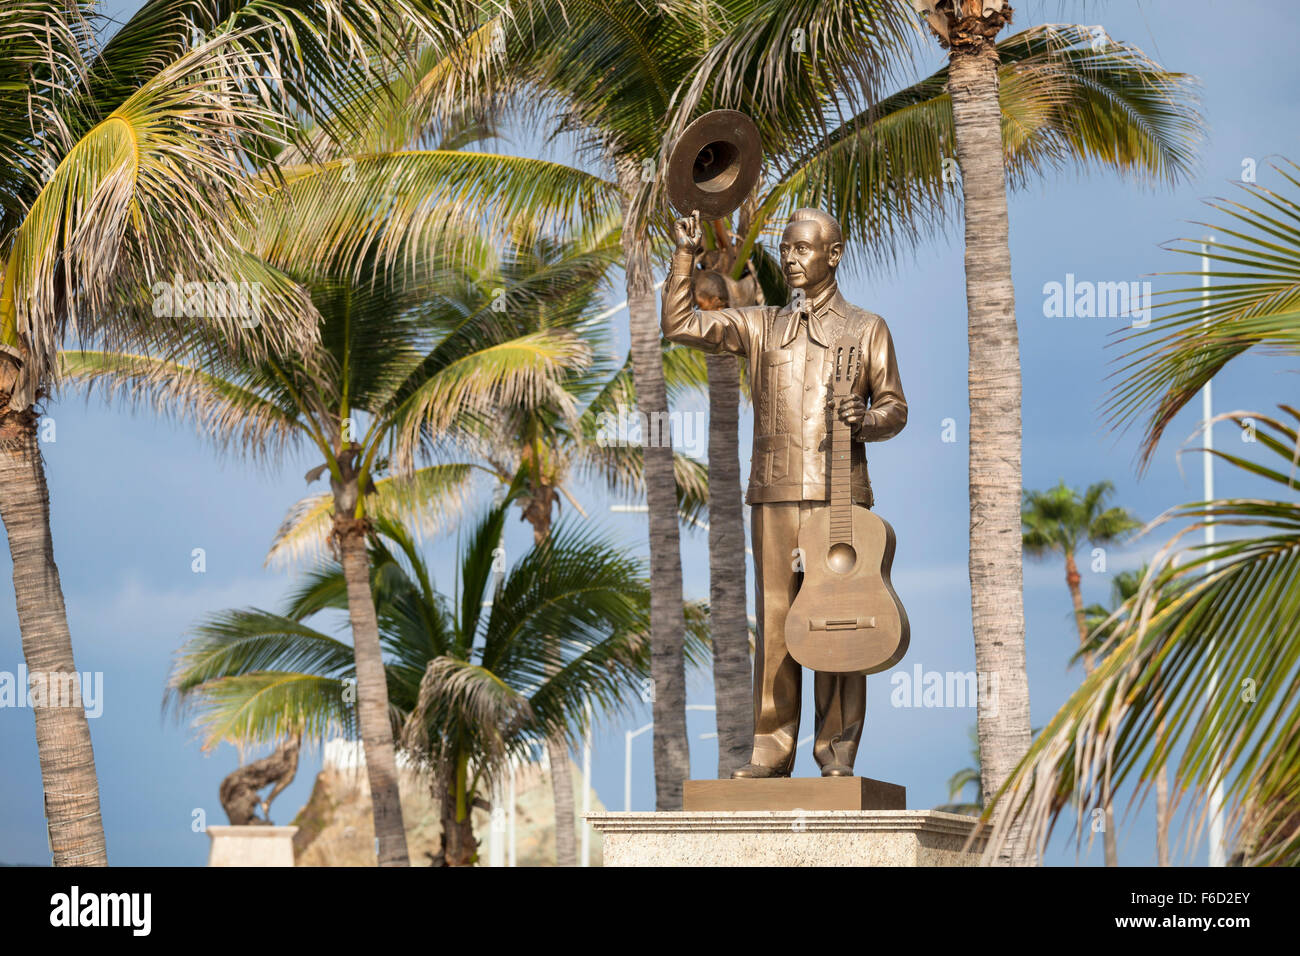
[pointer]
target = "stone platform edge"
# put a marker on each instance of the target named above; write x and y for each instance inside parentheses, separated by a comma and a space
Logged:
(850, 821)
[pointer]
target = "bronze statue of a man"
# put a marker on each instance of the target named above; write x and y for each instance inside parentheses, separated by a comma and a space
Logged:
(790, 376)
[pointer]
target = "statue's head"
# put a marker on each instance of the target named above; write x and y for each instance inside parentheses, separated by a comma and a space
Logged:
(811, 249)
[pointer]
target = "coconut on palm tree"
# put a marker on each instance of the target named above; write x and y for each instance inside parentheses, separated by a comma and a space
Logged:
(125, 163)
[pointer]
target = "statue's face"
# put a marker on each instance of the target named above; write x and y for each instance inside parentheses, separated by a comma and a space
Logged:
(807, 259)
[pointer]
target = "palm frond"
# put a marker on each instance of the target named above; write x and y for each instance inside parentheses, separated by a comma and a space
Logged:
(395, 208)
(525, 371)
(231, 414)
(251, 675)
(1253, 302)
(153, 189)
(1206, 658)
(428, 500)
(887, 173)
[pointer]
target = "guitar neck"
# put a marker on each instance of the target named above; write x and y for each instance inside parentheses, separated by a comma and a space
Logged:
(846, 355)
(841, 491)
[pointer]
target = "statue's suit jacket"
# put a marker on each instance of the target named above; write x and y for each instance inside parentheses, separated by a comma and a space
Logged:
(790, 379)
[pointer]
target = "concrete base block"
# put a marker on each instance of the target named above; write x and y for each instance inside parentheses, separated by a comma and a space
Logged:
(251, 846)
(789, 838)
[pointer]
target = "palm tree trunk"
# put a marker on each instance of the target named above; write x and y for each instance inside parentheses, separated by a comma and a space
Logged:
(539, 512)
(566, 842)
(728, 621)
(372, 688)
(459, 847)
(672, 758)
(76, 829)
(1072, 581)
(996, 579)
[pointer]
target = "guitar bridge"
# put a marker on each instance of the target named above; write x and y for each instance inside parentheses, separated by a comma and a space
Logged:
(840, 624)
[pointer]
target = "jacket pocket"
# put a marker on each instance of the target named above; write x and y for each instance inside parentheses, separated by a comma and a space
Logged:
(772, 458)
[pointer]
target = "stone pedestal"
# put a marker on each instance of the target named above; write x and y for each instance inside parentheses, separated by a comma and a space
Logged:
(788, 838)
(251, 846)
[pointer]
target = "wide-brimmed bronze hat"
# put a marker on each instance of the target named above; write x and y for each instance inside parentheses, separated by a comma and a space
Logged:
(714, 164)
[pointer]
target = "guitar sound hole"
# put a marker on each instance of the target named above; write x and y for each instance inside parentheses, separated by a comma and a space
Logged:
(842, 557)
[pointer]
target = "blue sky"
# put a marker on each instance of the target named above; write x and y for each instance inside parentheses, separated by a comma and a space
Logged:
(133, 495)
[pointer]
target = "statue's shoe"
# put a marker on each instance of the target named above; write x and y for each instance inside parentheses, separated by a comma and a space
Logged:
(753, 771)
(836, 770)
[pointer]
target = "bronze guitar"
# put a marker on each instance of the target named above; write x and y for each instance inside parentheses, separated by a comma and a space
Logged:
(846, 618)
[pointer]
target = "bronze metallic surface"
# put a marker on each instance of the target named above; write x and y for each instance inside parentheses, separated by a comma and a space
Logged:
(791, 371)
(807, 793)
(714, 164)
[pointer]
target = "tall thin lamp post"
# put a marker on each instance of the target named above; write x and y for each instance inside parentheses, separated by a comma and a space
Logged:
(586, 787)
(1218, 856)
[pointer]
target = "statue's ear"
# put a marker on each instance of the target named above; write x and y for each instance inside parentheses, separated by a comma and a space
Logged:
(836, 253)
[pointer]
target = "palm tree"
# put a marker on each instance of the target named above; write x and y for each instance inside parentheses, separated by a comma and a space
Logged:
(547, 441)
(1059, 521)
(125, 161)
(609, 67)
(589, 61)
(399, 360)
(474, 679)
(996, 577)
(545, 448)
(728, 594)
(1203, 657)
